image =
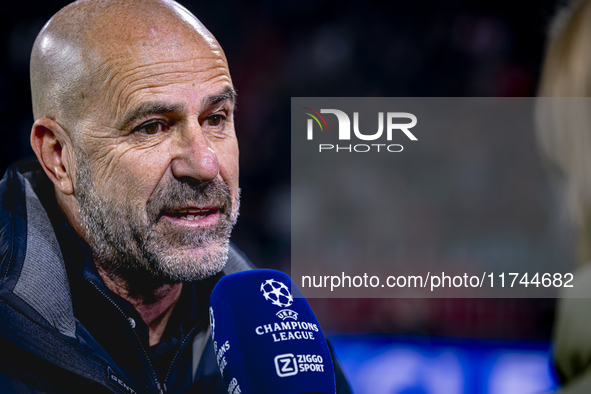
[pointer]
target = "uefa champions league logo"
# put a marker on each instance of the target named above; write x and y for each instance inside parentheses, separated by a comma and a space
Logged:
(277, 293)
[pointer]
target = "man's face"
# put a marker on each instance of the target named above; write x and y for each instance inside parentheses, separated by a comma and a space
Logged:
(157, 161)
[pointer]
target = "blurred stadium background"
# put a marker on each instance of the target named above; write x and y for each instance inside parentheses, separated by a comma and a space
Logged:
(283, 49)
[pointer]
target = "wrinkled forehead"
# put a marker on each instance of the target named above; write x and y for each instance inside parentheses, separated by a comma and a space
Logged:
(158, 59)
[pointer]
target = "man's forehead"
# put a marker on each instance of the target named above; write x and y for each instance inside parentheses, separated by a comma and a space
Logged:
(158, 57)
(193, 84)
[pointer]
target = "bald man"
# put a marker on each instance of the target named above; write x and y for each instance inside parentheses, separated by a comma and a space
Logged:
(113, 239)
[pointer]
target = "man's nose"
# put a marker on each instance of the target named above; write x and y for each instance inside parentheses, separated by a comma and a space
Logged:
(194, 157)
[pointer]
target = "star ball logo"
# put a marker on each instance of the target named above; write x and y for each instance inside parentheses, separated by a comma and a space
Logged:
(393, 124)
(276, 292)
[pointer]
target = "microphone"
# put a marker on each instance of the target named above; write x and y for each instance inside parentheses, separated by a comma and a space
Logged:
(266, 337)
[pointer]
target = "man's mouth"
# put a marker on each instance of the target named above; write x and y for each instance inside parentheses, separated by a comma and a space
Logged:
(192, 214)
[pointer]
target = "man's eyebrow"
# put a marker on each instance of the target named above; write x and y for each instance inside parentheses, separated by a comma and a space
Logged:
(148, 108)
(227, 94)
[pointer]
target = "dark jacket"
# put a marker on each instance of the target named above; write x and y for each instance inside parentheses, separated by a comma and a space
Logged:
(44, 347)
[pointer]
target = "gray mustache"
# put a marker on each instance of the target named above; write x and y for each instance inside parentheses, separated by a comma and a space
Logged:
(176, 194)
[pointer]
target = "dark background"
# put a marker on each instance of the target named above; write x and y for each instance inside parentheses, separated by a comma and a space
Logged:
(280, 49)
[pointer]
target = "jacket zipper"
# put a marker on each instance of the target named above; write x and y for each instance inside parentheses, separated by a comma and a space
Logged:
(162, 389)
(178, 352)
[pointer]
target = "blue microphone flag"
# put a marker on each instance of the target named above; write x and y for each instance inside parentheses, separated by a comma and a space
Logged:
(266, 337)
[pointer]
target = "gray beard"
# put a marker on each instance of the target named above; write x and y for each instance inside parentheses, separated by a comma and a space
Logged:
(127, 247)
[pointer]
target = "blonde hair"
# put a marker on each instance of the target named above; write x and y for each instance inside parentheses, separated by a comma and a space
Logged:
(563, 112)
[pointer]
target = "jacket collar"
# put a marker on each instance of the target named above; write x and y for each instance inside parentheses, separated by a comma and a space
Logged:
(33, 249)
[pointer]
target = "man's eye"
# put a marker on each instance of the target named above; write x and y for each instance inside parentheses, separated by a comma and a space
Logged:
(151, 128)
(215, 120)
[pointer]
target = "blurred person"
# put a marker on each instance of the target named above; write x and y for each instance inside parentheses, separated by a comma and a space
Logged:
(563, 116)
(112, 240)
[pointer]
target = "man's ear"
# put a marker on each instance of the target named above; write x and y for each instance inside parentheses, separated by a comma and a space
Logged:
(51, 143)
